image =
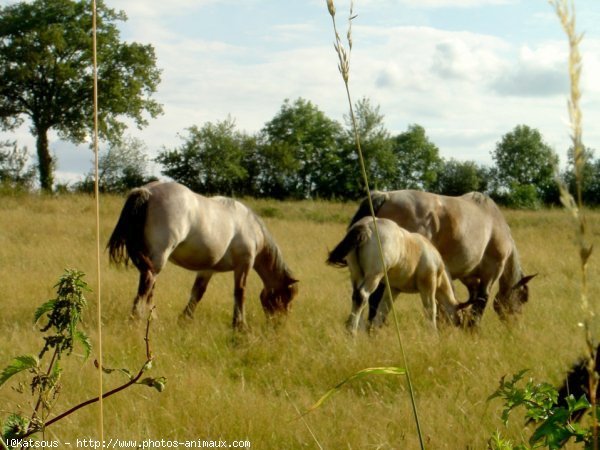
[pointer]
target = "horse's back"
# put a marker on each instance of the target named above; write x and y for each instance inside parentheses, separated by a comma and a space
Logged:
(407, 255)
(198, 232)
(462, 228)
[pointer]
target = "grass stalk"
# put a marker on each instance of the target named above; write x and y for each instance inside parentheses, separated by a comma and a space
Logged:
(565, 11)
(344, 68)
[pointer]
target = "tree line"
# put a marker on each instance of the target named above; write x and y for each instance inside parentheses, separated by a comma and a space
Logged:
(302, 154)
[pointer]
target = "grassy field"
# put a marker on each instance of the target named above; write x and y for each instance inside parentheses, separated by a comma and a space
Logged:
(228, 386)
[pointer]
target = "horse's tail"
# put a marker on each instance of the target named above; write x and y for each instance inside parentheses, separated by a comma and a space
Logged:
(127, 239)
(354, 238)
(378, 198)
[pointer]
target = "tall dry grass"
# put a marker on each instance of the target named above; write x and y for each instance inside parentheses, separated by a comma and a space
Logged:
(223, 385)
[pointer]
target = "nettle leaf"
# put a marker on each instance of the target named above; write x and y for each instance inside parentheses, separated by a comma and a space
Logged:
(15, 427)
(19, 364)
(43, 309)
(577, 405)
(553, 432)
(84, 340)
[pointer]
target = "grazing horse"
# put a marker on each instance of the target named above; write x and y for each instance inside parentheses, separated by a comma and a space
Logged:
(411, 261)
(167, 221)
(473, 238)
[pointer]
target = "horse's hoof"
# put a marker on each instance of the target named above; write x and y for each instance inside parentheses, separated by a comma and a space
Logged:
(184, 319)
(241, 327)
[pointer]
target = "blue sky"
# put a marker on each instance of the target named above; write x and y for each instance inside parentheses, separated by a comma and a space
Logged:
(468, 71)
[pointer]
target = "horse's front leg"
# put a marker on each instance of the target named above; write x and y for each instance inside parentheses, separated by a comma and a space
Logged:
(375, 301)
(239, 291)
(198, 291)
(472, 310)
(143, 299)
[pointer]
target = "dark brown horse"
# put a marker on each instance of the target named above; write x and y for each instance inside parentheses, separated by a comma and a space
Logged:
(473, 238)
(167, 221)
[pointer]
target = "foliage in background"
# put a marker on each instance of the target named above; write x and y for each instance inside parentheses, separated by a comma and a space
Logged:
(46, 74)
(376, 145)
(210, 160)
(458, 177)
(418, 160)
(122, 167)
(526, 165)
(14, 171)
(302, 154)
(306, 141)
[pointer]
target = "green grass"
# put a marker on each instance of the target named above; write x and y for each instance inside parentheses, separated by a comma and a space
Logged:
(223, 385)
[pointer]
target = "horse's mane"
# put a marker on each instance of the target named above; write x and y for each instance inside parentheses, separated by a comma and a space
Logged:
(270, 251)
(512, 270)
(270, 248)
(480, 198)
(364, 209)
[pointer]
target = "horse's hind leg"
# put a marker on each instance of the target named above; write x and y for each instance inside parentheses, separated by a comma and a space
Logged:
(144, 294)
(428, 294)
(198, 291)
(360, 300)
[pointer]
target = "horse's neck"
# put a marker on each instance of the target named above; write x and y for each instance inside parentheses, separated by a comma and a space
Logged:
(512, 272)
(270, 266)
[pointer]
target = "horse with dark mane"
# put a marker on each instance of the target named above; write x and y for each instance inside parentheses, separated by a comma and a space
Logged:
(472, 237)
(167, 221)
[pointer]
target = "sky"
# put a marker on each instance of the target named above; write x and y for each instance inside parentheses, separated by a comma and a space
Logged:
(468, 71)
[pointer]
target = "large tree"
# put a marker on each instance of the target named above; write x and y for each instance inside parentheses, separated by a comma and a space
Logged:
(376, 146)
(418, 159)
(210, 159)
(297, 143)
(121, 167)
(459, 177)
(523, 159)
(46, 74)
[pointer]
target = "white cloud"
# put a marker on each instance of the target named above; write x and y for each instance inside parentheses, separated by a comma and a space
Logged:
(159, 9)
(538, 72)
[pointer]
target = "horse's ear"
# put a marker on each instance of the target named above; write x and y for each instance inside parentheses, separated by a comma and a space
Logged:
(526, 279)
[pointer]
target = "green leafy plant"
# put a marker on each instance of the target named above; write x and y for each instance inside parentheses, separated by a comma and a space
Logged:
(62, 316)
(554, 426)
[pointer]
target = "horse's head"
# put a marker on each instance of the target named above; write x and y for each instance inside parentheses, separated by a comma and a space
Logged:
(511, 302)
(277, 300)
